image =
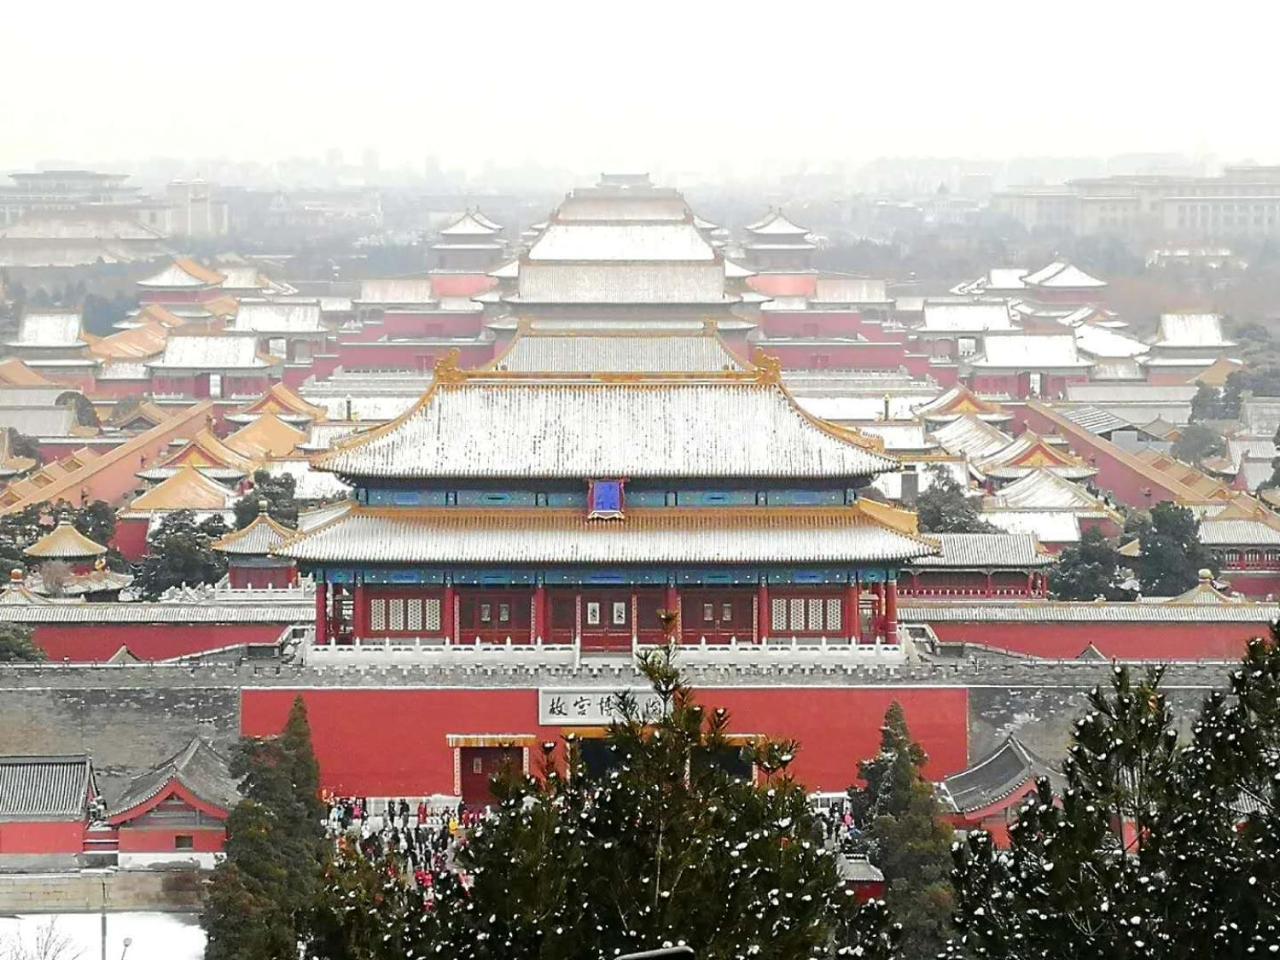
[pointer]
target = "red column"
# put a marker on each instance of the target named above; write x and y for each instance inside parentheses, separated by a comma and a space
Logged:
(990, 588)
(448, 617)
(672, 604)
(540, 613)
(891, 612)
(322, 612)
(360, 613)
(877, 613)
(764, 616)
(853, 608)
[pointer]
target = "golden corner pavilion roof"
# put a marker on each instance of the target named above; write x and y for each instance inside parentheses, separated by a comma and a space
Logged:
(259, 538)
(489, 424)
(64, 542)
(266, 437)
(840, 534)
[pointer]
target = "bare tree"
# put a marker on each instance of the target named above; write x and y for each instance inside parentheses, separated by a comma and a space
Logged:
(49, 943)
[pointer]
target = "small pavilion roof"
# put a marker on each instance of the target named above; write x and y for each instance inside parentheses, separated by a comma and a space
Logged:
(183, 273)
(198, 768)
(775, 224)
(961, 401)
(549, 535)
(1029, 452)
(1043, 489)
(64, 542)
(1203, 592)
(207, 453)
(259, 538)
(996, 777)
(471, 224)
(281, 401)
(267, 437)
(188, 489)
(1062, 276)
(969, 436)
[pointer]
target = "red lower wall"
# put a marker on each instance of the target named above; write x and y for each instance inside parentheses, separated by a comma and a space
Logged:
(46, 837)
(96, 642)
(1126, 641)
(393, 742)
(138, 840)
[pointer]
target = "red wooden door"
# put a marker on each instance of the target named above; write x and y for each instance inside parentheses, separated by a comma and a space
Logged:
(717, 615)
(479, 766)
(606, 619)
(494, 615)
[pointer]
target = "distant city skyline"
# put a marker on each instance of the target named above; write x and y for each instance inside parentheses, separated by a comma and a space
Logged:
(732, 92)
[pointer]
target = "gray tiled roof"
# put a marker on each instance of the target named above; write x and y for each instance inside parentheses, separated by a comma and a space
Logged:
(198, 767)
(44, 788)
(983, 550)
(995, 777)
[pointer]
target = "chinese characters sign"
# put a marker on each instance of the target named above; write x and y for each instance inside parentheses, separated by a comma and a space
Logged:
(590, 707)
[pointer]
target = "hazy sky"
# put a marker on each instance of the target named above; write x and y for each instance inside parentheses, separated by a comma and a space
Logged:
(682, 85)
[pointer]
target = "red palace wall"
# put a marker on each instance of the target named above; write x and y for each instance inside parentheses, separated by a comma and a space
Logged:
(1019, 384)
(205, 840)
(47, 837)
(461, 284)
(798, 355)
(410, 325)
(96, 642)
(391, 742)
(1133, 641)
(402, 355)
(1116, 473)
(115, 389)
(131, 538)
(807, 323)
(1256, 584)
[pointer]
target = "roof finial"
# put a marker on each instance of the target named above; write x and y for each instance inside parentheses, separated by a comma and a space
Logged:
(263, 506)
(447, 369)
(768, 369)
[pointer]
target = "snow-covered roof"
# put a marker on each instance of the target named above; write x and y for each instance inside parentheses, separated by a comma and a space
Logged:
(266, 316)
(544, 535)
(617, 353)
(1048, 526)
(610, 241)
(471, 224)
(1191, 330)
(996, 777)
(210, 353)
(623, 283)
(1029, 351)
(408, 290)
(775, 224)
(259, 538)
(966, 317)
(1043, 489)
(971, 437)
(836, 288)
(310, 485)
(736, 271)
(899, 434)
(1006, 278)
(182, 274)
(1062, 276)
(49, 328)
(959, 401)
(1030, 452)
(508, 271)
(1041, 611)
(986, 550)
(1231, 532)
(641, 427)
(64, 542)
(1101, 342)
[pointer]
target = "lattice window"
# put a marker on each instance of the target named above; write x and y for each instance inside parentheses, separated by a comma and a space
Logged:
(431, 614)
(396, 609)
(796, 614)
(777, 614)
(415, 614)
(378, 614)
(815, 614)
(835, 614)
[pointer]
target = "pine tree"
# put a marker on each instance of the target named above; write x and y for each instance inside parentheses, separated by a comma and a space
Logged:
(180, 552)
(664, 847)
(946, 508)
(1153, 849)
(262, 897)
(1172, 555)
(277, 491)
(1088, 570)
(906, 837)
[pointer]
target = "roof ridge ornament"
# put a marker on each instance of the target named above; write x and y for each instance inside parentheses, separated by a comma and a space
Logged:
(768, 369)
(448, 370)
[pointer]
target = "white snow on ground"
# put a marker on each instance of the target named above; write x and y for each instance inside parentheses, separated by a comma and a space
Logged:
(153, 936)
